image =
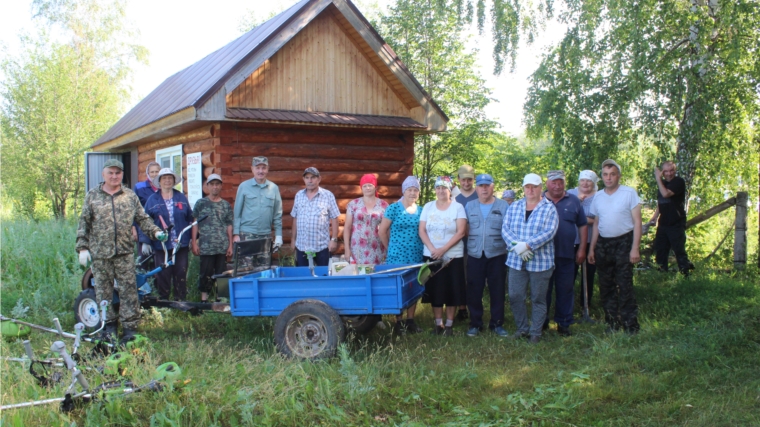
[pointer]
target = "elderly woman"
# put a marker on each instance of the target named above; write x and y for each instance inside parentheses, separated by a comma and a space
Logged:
(170, 207)
(586, 190)
(508, 196)
(399, 233)
(145, 189)
(363, 216)
(529, 230)
(443, 223)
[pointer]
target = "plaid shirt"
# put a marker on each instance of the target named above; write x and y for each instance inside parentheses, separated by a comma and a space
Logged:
(538, 232)
(313, 219)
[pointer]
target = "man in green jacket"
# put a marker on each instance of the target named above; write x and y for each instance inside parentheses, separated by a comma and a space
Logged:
(104, 237)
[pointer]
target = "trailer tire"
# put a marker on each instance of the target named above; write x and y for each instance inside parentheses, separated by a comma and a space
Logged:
(86, 309)
(87, 280)
(308, 329)
(362, 324)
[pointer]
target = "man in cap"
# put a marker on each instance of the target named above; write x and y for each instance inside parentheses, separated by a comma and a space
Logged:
(486, 257)
(258, 209)
(572, 224)
(215, 234)
(104, 236)
(671, 211)
(615, 248)
(315, 213)
(508, 196)
(467, 193)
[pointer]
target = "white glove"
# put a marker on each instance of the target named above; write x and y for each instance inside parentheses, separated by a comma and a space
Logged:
(161, 236)
(527, 256)
(146, 249)
(84, 257)
(520, 248)
(277, 241)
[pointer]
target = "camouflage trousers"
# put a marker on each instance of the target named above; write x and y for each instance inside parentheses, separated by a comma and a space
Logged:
(121, 269)
(248, 263)
(616, 282)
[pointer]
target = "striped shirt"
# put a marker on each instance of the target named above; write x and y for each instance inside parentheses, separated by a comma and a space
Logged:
(313, 219)
(538, 232)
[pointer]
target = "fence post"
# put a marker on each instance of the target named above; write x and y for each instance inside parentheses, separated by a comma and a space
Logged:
(740, 236)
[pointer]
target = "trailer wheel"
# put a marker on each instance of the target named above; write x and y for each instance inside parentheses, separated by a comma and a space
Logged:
(308, 329)
(86, 309)
(362, 324)
(87, 280)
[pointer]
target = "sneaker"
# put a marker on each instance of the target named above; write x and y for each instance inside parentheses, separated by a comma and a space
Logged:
(463, 315)
(412, 327)
(563, 331)
(473, 332)
(437, 330)
(535, 339)
(448, 331)
(500, 331)
(517, 335)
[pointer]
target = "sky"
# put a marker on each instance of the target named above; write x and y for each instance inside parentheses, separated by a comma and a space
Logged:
(178, 33)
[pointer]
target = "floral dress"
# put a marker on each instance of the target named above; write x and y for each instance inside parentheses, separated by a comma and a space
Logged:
(366, 247)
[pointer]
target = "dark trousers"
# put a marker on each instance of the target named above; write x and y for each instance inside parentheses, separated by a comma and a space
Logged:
(562, 282)
(616, 282)
(478, 271)
(174, 276)
(590, 273)
(321, 258)
(667, 238)
(210, 265)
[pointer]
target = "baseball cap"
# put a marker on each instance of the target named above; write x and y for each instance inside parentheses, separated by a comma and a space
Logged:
(508, 194)
(532, 179)
(484, 178)
(613, 163)
(558, 174)
(214, 176)
(113, 163)
(312, 170)
(260, 160)
(466, 171)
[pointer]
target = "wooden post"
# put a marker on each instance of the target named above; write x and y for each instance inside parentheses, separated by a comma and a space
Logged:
(740, 236)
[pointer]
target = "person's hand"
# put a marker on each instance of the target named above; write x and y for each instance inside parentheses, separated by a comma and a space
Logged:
(590, 258)
(235, 238)
(84, 257)
(580, 255)
(146, 249)
(527, 256)
(277, 242)
(347, 253)
(520, 247)
(635, 257)
(657, 173)
(134, 234)
(332, 246)
(293, 244)
(161, 236)
(438, 253)
(229, 251)
(194, 247)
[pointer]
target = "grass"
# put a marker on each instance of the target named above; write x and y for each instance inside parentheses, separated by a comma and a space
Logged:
(694, 363)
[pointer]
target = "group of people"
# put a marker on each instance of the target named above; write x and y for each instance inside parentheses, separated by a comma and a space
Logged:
(479, 240)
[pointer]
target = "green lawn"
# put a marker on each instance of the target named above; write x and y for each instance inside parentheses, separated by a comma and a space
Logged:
(694, 363)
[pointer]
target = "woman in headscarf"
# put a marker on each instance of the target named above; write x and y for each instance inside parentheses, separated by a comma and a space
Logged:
(169, 206)
(586, 190)
(363, 216)
(145, 189)
(443, 223)
(399, 233)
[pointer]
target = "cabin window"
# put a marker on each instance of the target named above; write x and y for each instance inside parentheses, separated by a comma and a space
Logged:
(171, 158)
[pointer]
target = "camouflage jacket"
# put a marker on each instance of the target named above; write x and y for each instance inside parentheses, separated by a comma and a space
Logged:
(105, 226)
(212, 239)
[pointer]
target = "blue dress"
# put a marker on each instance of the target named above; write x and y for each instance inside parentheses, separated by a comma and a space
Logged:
(405, 245)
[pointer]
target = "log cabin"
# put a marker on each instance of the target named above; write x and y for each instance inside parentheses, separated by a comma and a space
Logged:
(315, 85)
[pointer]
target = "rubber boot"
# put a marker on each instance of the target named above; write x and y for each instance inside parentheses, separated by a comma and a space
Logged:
(127, 335)
(110, 331)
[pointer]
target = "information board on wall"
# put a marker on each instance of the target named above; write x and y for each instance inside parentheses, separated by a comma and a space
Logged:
(194, 177)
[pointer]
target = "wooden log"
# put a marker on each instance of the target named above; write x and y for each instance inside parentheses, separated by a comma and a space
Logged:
(209, 171)
(147, 156)
(207, 158)
(711, 212)
(204, 132)
(740, 231)
(243, 164)
(285, 136)
(202, 145)
(314, 151)
(296, 177)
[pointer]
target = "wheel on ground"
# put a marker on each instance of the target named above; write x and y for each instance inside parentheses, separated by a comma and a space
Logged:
(361, 324)
(87, 280)
(86, 309)
(309, 329)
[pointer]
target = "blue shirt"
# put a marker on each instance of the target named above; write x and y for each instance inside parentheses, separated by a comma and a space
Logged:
(586, 203)
(485, 209)
(571, 216)
(538, 232)
(404, 245)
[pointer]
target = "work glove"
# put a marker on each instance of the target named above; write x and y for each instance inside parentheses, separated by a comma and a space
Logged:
(520, 247)
(84, 257)
(146, 249)
(527, 256)
(161, 236)
(277, 242)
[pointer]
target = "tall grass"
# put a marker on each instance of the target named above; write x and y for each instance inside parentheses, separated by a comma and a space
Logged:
(694, 363)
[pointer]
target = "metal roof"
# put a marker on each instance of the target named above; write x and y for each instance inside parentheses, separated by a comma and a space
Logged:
(191, 85)
(259, 114)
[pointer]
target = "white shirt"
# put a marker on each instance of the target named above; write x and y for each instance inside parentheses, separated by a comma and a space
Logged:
(613, 211)
(441, 226)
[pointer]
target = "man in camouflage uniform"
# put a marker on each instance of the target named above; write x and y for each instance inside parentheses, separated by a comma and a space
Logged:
(615, 248)
(258, 208)
(215, 234)
(105, 237)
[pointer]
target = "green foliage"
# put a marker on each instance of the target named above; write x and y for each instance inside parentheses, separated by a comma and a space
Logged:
(58, 97)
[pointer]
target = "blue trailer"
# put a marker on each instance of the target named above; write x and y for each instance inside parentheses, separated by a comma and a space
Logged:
(314, 311)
